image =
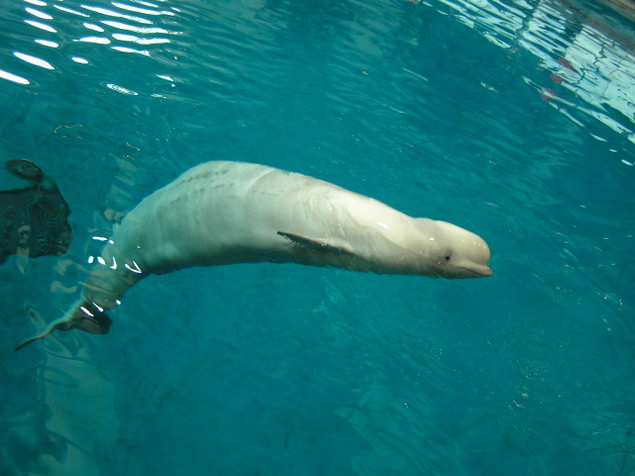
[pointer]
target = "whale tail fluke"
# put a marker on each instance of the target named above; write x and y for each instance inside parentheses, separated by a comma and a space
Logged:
(83, 315)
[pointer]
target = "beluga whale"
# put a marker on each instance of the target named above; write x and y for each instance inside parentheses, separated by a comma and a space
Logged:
(220, 213)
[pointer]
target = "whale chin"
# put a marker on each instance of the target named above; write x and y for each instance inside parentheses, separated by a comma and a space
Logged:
(472, 270)
(478, 272)
(465, 273)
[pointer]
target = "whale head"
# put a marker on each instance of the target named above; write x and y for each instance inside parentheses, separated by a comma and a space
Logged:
(456, 252)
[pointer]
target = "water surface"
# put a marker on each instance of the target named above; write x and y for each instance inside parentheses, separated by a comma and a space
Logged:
(514, 119)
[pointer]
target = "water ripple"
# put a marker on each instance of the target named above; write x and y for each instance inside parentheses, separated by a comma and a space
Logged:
(33, 60)
(41, 26)
(586, 55)
(38, 13)
(69, 36)
(13, 77)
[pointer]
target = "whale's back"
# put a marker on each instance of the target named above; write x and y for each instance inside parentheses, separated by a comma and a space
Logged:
(227, 212)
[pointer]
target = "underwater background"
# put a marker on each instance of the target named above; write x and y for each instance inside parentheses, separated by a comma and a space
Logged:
(514, 119)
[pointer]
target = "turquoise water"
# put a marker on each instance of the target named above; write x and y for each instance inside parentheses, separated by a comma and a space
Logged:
(513, 119)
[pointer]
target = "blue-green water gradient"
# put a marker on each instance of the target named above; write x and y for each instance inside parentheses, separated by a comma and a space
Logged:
(514, 119)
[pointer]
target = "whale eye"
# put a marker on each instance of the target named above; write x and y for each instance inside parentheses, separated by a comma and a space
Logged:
(444, 257)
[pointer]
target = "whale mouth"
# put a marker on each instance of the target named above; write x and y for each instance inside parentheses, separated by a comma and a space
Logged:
(483, 271)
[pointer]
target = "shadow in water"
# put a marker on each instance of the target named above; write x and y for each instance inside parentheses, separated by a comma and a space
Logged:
(34, 219)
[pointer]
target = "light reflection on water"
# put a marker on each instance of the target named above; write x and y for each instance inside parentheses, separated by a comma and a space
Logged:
(591, 70)
(63, 26)
(596, 67)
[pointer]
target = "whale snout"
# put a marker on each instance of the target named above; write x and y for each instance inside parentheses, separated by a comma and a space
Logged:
(477, 254)
(479, 271)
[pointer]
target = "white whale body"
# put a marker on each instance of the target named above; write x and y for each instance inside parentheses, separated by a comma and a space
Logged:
(232, 212)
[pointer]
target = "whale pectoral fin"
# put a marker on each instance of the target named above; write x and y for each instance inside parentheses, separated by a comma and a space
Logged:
(317, 244)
